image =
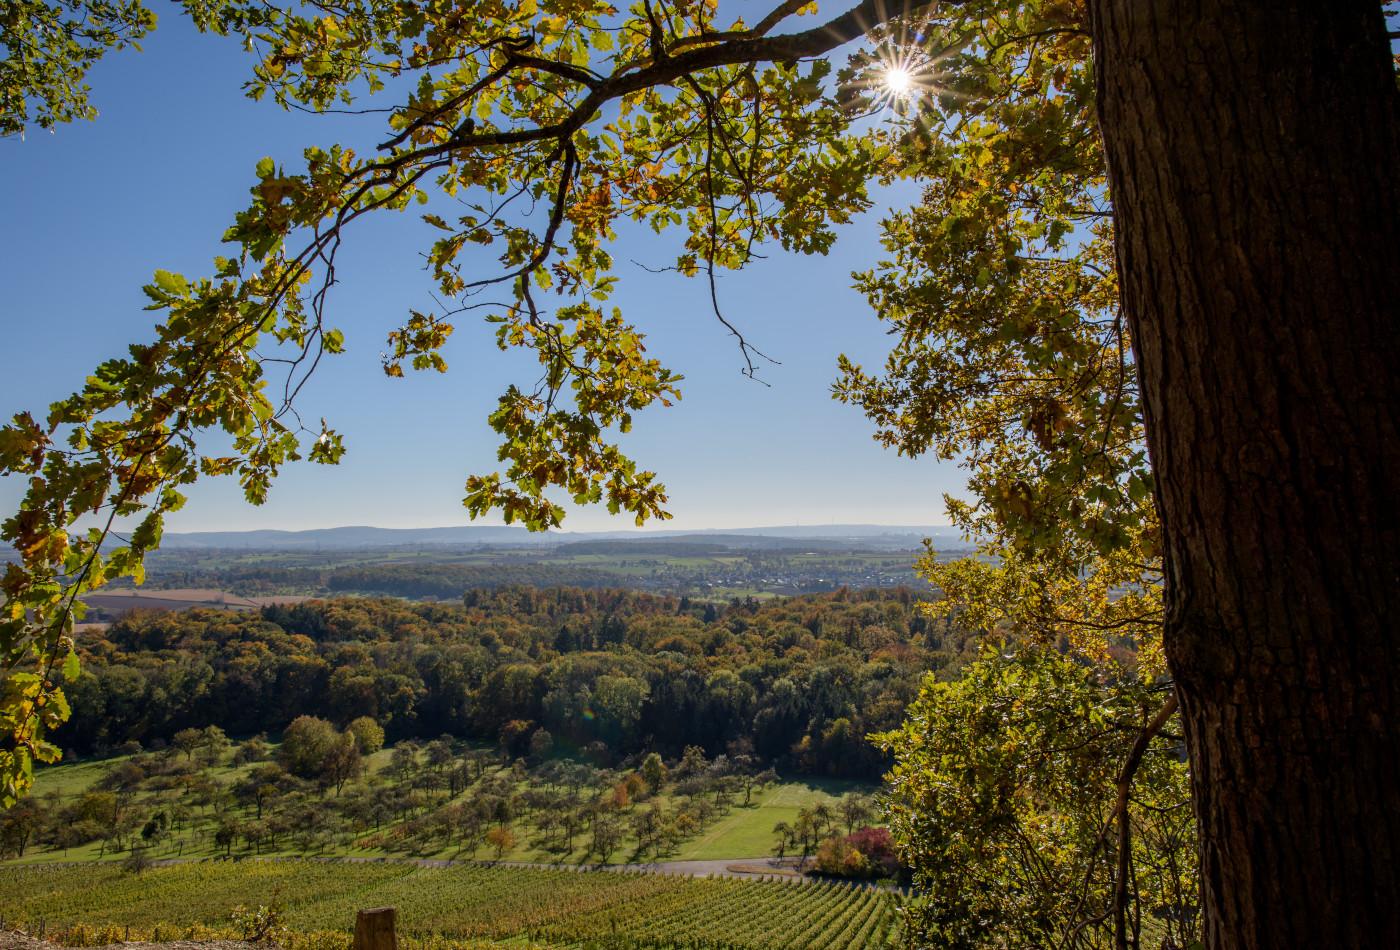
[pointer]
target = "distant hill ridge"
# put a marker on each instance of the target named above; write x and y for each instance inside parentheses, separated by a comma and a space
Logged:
(357, 536)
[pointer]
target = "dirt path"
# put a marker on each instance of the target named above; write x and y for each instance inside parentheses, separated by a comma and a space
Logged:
(727, 867)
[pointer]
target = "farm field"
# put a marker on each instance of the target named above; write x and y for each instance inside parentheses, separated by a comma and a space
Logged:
(444, 906)
(115, 603)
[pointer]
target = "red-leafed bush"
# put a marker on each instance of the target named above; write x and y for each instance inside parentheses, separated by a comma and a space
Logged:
(867, 853)
(839, 858)
(878, 846)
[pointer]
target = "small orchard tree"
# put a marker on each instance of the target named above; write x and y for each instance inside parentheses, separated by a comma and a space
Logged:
(440, 753)
(225, 835)
(607, 837)
(308, 743)
(807, 832)
(213, 743)
(501, 839)
(188, 741)
(342, 761)
(855, 810)
(369, 735)
(403, 761)
(251, 750)
(783, 836)
(20, 824)
(653, 772)
(541, 745)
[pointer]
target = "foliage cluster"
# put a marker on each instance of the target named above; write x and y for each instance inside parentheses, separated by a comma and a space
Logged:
(313, 749)
(46, 49)
(260, 924)
(1011, 352)
(819, 827)
(1034, 800)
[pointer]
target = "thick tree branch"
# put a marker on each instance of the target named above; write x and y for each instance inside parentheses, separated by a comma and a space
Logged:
(786, 48)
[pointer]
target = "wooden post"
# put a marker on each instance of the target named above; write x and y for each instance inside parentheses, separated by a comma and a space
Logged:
(374, 929)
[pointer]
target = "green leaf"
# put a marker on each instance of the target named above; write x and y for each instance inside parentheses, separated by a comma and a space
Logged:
(173, 284)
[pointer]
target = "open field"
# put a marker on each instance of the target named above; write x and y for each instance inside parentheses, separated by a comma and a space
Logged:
(600, 909)
(747, 832)
(72, 778)
(119, 601)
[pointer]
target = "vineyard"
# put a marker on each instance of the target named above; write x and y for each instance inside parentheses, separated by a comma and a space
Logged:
(452, 907)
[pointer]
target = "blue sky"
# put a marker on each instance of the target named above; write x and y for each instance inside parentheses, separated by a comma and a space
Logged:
(91, 211)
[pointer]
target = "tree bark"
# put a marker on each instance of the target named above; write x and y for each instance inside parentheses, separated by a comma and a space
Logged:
(1254, 160)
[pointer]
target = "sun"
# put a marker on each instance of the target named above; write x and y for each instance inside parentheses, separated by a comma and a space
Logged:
(899, 82)
(900, 78)
(895, 80)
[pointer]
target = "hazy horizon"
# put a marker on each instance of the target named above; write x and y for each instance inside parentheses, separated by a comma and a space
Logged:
(667, 527)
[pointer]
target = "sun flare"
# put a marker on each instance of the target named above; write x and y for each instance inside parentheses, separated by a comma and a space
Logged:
(899, 81)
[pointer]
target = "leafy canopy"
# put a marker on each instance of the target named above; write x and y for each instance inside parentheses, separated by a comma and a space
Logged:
(46, 49)
(1011, 353)
(1041, 799)
(552, 123)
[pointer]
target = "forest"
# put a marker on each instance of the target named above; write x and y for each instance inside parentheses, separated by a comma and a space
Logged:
(607, 673)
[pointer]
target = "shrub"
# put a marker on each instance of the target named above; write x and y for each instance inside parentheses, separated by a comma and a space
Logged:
(137, 861)
(262, 925)
(838, 857)
(877, 844)
(867, 853)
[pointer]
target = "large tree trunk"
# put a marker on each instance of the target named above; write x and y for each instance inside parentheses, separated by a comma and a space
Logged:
(1255, 166)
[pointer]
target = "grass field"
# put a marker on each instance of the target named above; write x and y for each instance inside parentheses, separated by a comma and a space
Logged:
(439, 906)
(70, 779)
(748, 832)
